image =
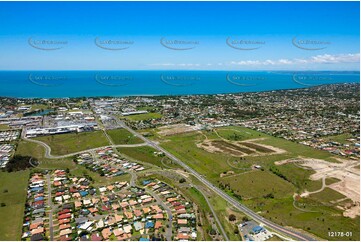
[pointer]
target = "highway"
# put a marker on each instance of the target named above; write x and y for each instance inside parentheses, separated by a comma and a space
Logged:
(292, 234)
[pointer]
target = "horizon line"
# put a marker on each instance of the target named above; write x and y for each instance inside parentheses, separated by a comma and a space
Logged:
(186, 70)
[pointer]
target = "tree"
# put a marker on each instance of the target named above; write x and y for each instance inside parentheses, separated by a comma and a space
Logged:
(232, 217)
(212, 232)
(182, 180)
(18, 163)
(236, 231)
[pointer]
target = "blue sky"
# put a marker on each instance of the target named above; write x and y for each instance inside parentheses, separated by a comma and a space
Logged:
(261, 35)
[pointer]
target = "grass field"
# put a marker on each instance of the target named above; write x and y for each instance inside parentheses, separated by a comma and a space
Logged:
(341, 138)
(255, 180)
(223, 210)
(325, 195)
(63, 144)
(146, 154)
(123, 136)
(299, 177)
(320, 220)
(146, 108)
(38, 107)
(254, 187)
(27, 148)
(13, 195)
(4, 126)
(143, 116)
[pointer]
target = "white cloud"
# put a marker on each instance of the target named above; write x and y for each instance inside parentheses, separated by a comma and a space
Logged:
(285, 61)
(331, 59)
(318, 59)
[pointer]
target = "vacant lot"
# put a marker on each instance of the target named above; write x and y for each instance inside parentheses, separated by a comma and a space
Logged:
(238, 149)
(176, 129)
(319, 221)
(253, 185)
(4, 126)
(146, 154)
(12, 198)
(63, 144)
(341, 138)
(123, 136)
(143, 116)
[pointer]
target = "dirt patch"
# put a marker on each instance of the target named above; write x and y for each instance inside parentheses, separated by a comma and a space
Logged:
(238, 149)
(183, 173)
(177, 129)
(228, 173)
(257, 147)
(352, 211)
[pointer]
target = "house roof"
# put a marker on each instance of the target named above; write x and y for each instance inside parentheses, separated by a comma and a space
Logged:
(96, 237)
(106, 233)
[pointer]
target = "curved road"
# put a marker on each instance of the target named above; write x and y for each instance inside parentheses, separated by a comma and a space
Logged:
(296, 235)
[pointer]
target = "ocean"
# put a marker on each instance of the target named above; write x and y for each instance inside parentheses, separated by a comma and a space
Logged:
(62, 84)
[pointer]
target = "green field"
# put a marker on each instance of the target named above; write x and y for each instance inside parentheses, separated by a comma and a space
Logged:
(146, 154)
(4, 126)
(341, 138)
(123, 136)
(143, 116)
(325, 195)
(299, 177)
(253, 187)
(63, 144)
(320, 219)
(27, 148)
(13, 195)
(38, 107)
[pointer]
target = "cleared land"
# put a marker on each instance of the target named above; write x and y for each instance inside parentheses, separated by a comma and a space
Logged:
(148, 154)
(176, 129)
(143, 116)
(123, 136)
(63, 144)
(346, 178)
(238, 149)
(12, 199)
